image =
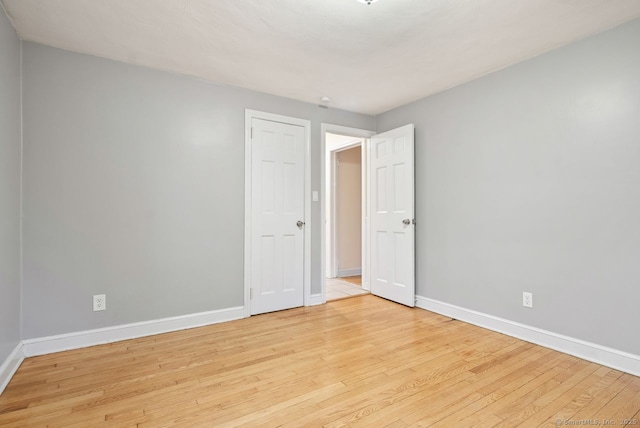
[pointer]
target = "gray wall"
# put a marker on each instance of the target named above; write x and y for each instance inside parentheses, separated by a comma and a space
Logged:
(9, 188)
(134, 187)
(528, 179)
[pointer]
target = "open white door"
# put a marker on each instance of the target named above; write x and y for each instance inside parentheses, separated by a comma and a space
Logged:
(392, 215)
(277, 217)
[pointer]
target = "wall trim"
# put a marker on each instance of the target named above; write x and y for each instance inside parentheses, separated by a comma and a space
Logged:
(614, 358)
(10, 366)
(349, 272)
(316, 299)
(100, 336)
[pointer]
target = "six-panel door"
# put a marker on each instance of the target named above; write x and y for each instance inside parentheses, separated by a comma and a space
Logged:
(277, 255)
(392, 215)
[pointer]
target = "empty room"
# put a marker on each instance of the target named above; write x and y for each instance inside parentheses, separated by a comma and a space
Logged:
(363, 213)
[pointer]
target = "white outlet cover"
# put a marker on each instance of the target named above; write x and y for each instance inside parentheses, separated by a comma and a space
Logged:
(527, 299)
(99, 302)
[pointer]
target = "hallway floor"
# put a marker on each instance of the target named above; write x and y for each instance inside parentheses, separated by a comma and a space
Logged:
(340, 288)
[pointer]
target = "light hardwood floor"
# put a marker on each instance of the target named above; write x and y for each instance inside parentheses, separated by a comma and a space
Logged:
(355, 362)
(355, 280)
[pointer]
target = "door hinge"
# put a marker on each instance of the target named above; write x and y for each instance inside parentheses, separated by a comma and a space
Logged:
(251, 294)
(252, 132)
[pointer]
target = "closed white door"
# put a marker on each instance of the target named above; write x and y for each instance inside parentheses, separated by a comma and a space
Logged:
(277, 201)
(392, 215)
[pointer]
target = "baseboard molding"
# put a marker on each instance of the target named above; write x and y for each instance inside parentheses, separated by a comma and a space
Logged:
(10, 366)
(315, 299)
(83, 339)
(616, 359)
(349, 272)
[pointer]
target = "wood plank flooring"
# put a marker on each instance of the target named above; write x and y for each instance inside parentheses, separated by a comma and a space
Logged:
(355, 280)
(361, 362)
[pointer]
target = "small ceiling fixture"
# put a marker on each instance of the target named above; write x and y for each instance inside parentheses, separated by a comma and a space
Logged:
(367, 1)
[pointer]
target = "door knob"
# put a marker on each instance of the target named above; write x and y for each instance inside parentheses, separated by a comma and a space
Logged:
(300, 224)
(406, 222)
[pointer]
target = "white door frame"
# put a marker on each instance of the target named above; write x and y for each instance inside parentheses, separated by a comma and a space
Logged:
(306, 124)
(350, 132)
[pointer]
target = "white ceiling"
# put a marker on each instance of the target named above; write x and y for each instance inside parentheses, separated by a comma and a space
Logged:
(368, 59)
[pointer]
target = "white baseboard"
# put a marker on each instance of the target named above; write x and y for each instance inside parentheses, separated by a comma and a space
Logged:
(609, 357)
(315, 299)
(349, 272)
(83, 339)
(10, 366)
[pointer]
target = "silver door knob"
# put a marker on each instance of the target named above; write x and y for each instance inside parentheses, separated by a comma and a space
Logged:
(406, 222)
(300, 224)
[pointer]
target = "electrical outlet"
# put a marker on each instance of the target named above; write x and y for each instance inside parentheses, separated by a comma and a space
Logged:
(99, 302)
(527, 299)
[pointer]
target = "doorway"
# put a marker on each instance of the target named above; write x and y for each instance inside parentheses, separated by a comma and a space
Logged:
(344, 203)
(345, 210)
(388, 223)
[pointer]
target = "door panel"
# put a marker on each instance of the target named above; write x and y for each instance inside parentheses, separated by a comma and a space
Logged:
(392, 194)
(277, 257)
